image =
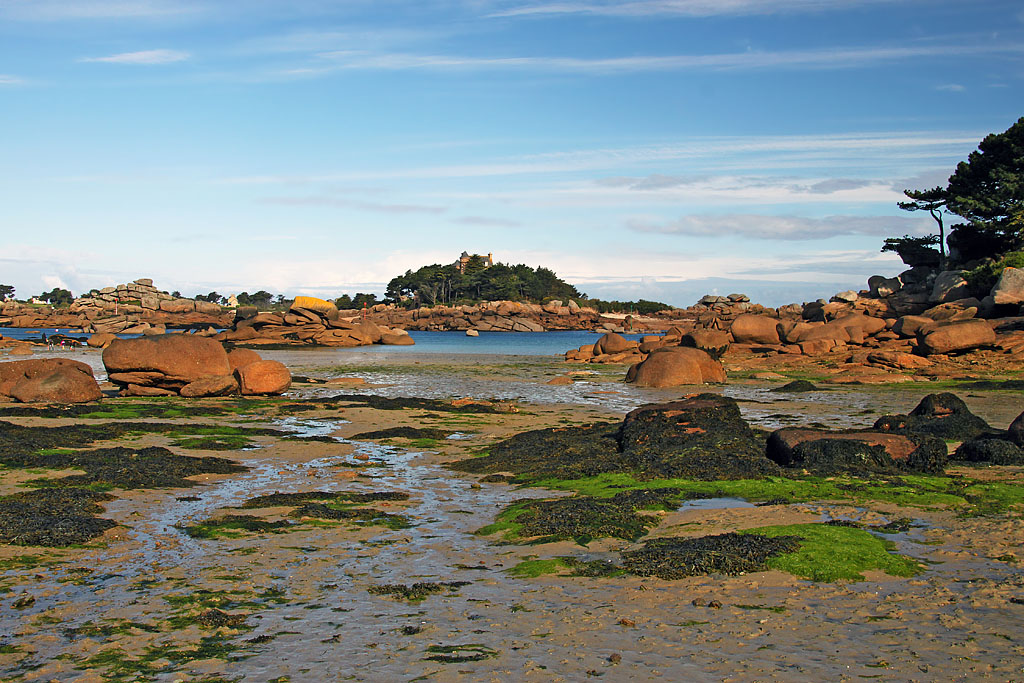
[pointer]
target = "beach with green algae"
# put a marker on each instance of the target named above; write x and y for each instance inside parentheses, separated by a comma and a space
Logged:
(328, 535)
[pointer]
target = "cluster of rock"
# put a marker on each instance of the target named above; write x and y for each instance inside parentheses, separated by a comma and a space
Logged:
(49, 380)
(190, 366)
(677, 358)
(497, 316)
(309, 321)
(894, 326)
(705, 437)
(131, 308)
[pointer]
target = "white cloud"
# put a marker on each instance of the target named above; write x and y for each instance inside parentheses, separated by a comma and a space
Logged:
(146, 57)
(783, 227)
(721, 154)
(951, 87)
(832, 58)
(692, 8)
(354, 204)
(7, 79)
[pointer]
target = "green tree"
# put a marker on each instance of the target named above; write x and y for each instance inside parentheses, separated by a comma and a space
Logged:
(212, 297)
(934, 202)
(6, 292)
(344, 301)
(260, 299)
(361, 298)
(988, 188)
(57, 297)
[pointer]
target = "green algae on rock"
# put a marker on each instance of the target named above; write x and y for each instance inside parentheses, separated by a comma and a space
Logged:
(703, 437)
(583, 518)
(732, 553)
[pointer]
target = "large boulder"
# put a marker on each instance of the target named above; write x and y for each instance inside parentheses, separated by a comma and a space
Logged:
(712, 342)
(950, 285)
(1010, 287)
(943, 415)
(673, 366)
(217, 385)
(50, 380)
(825, 452)
(751, 328)
(167, 361)
(908, 326)
(1016, 430)
(263, 377)
(238, 358)
(612, 343)
(990, 450)
(955, 335)
(396, 338)
(312, 303)
(703, 437)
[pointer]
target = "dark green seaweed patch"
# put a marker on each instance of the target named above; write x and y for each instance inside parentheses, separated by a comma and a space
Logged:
(798, 386)
(52, 517)
(293, 499)
(558, 452)
(405, 433)
(352, 514)
(230, 526)
(401, 403)
(125, 468)
(416, 592)
(584, 518)
(455, 654)
(675, 558)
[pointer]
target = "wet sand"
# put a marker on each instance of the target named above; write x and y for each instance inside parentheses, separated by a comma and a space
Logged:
(126, 607)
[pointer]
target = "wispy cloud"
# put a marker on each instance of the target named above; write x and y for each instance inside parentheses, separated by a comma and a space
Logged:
(58, 10)
(832, 58)
(783, 227)
(142, 57)
(951, 87)
(487, 222)
(692, 8)
(7, 79)
(720, 154)
(354, 204)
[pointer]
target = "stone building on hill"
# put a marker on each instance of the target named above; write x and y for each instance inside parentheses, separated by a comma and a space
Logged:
(464, 260)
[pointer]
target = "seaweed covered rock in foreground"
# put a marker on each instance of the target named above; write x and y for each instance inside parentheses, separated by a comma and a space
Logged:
(559, 452)
(990, 450)
(675, 558)
(943, 415)
(853, 451)
(703, 437)
(52, 517)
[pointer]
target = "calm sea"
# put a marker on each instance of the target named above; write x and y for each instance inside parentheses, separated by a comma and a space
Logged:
(497, 343)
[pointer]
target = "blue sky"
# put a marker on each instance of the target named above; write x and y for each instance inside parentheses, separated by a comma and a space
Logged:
(657, 149)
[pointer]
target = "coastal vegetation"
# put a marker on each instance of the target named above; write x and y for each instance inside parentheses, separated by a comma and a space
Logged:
(987, 192)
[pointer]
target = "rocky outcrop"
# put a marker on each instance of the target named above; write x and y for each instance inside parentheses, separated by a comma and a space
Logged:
(309, 321)
(189, 366)
(50, 380)
(129, 308)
